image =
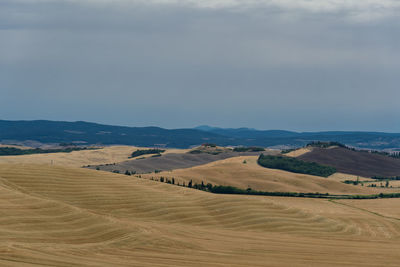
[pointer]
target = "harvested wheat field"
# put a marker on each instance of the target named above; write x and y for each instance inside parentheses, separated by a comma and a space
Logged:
(106, 155)
(79, 158)
(57, 216)
(298, 152)
(243, 172)
(345, 176)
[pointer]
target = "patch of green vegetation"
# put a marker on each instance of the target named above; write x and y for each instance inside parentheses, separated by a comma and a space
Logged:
(199, 151)
(353, 182)
(295, 165)
(13, 151)
(209, 145)
(196, 151)
(222, 189)
(248, 149)
(392, 155)
(140, 152)
(382, 178)
(325, 144)
(395, 155)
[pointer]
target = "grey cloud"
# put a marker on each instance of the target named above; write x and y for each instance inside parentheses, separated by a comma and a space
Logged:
(171, 64)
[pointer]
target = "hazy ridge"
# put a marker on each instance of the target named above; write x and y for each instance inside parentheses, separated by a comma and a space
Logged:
(92, 133)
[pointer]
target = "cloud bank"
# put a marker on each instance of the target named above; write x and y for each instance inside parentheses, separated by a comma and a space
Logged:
(365, 10)
(300, 65)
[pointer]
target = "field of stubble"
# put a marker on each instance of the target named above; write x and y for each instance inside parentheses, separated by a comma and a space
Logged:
(67, 216)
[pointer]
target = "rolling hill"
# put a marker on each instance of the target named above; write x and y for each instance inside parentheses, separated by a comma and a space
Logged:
(234, 172)
(360, 163)
(80, 158)
(173, 160)
(59, 216)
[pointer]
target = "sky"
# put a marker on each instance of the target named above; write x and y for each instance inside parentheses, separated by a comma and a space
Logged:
(303, 65)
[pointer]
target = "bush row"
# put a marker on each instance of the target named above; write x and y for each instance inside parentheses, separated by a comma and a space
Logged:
(295, 165)
(13, 151)
(140, 152)
(222, 189)
(248, 149)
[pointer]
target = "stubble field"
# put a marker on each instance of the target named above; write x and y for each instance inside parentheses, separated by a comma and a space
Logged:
(62, 216)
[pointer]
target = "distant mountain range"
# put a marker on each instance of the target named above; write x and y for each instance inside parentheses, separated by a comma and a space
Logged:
(370, 140)
(53, 132)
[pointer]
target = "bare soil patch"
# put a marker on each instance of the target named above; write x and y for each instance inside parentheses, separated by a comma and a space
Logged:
(354, 162)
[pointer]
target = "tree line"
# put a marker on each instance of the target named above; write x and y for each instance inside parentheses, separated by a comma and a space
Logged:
(295, 165)
(140, 152)
(223, 189)
(13, 151)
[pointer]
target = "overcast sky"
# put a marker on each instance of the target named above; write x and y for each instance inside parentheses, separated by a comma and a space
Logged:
(304, 65)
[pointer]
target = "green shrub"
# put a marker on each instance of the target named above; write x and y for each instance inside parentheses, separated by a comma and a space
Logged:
(13, 151)
(353, 182)
(382, 178)
(248, 149)
(140, 152)
(196, 151)
(295, 165)
(209, 145)
(325, 144)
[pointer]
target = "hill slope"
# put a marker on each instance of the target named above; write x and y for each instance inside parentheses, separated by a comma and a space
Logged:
(77, 217)
(73, 217)
(234, 172)
(354, 162)
(173, 161)
(76, 158)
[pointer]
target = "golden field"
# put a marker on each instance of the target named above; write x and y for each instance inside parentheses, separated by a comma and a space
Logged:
(244, 172)
(66, 216)
(106, 155)
(298, 152)
(75, 158)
